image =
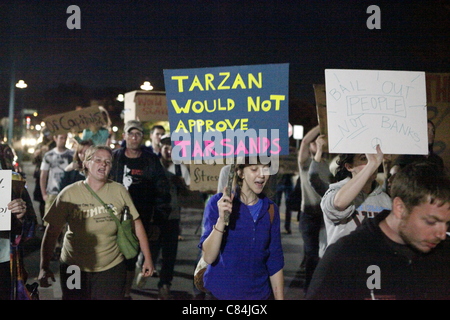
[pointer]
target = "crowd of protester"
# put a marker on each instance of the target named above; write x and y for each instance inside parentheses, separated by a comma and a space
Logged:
(357, 213)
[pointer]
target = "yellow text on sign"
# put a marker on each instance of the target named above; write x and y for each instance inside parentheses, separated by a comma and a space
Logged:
(222, 81)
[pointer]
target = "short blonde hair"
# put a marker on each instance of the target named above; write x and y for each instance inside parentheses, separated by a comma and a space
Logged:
(90, 154)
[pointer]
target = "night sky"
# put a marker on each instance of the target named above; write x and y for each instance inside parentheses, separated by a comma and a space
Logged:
(122, 43)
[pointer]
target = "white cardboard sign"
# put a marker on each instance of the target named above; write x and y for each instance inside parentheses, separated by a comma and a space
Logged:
(5, 191)
(370, 107)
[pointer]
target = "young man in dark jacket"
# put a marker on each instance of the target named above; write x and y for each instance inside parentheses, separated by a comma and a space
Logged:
(400, 254)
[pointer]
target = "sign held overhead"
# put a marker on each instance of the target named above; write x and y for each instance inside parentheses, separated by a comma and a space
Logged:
(370, 107)
(228, 112)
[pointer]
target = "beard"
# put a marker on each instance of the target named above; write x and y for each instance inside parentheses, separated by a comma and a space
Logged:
(406, 239)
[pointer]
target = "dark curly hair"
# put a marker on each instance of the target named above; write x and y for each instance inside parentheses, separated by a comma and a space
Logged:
(341, 171)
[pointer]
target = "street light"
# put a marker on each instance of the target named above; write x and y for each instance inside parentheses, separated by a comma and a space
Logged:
(21, 84)
(120, 98)
(146, 86)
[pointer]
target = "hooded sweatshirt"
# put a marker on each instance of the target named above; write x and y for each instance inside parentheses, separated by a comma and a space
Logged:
(340, 223)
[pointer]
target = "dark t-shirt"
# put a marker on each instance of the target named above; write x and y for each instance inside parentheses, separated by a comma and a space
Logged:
(145, 179)
(139, 188)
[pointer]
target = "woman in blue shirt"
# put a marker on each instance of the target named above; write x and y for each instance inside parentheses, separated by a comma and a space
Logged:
(245, 257)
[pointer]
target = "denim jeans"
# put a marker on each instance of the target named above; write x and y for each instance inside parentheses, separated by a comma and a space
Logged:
(287, 190)
(309, 226)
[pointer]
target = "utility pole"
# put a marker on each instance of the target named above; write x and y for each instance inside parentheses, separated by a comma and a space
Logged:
(11, 104)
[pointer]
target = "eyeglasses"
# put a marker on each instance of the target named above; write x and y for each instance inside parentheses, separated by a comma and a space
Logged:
(134, 134)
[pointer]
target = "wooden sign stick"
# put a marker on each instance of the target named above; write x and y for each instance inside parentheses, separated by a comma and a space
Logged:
(229, 186)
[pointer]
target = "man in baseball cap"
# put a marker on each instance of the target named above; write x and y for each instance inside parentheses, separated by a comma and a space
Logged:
(143, 175)
(133, 124)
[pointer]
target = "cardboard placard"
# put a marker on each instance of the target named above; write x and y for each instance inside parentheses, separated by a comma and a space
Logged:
(145, 106)
(438, 107)
(76, 121)
(321, 108)
(204, 177)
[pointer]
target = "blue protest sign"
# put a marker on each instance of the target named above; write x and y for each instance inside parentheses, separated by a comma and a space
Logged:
(224, 112)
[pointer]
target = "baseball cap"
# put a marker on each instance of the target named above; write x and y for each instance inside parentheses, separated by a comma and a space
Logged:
(165, 139)
(133, 124)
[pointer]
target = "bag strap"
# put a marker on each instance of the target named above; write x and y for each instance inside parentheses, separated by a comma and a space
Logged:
(108, 208)
(271, 212)
(178, 170)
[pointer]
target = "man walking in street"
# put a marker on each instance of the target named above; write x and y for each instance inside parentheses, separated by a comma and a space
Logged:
(52, 169)
(53, 165)
(142, 174)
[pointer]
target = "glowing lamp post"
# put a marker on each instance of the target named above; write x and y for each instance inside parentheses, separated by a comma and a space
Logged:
(147, 86)
(21, 85)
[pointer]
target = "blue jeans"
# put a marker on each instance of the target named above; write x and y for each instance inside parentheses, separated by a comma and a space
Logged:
(287, 190)
(309, 226)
